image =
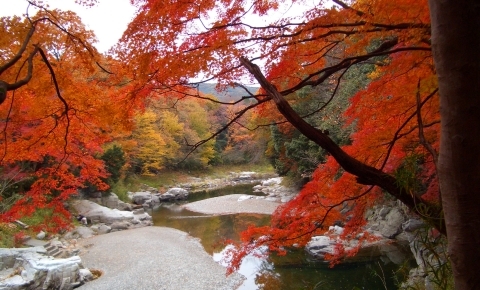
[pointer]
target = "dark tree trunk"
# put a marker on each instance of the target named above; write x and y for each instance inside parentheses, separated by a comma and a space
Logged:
(456, 48)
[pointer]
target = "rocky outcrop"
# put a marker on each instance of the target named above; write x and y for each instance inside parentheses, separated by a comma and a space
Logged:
(141, 197)
(386, 220)
(379, 247)
(388, 223)
(106, 219)
(31, 268)
(174, 194)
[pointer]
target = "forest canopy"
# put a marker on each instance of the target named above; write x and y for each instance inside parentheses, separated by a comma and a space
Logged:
(371, 96)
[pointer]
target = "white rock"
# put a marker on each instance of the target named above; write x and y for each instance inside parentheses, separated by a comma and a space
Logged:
(41, 235)
(245, 197)
(272, 181)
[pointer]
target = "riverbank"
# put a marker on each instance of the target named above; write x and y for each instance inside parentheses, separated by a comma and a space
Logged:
(152, 258)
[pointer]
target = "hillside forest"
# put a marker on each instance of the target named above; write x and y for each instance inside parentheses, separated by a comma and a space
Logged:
(358, 101)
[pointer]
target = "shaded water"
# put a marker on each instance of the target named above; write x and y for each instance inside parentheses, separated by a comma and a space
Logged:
(290, 272)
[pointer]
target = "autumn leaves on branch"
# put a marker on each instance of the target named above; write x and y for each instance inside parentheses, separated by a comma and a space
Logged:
(68, 107)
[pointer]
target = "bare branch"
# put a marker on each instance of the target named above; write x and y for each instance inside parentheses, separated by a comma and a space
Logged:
(421, 135)
(345, 6)
(59, 95)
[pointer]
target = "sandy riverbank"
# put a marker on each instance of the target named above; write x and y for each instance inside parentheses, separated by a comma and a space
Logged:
(233, 203)
(152, 258)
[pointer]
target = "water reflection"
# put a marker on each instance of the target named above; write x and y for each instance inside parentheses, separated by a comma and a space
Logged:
(289, 272)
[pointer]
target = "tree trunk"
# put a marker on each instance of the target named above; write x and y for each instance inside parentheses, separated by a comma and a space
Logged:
(456, 48)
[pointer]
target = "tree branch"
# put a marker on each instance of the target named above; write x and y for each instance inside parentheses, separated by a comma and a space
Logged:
(365, 174)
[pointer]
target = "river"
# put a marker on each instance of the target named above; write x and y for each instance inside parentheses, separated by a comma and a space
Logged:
(291, 272)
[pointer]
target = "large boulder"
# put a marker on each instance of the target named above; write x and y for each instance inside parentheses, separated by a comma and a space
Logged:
(112, 201)
(96, 213)
(393, 223)
(141, 197)
(30, 268)
(386, 220)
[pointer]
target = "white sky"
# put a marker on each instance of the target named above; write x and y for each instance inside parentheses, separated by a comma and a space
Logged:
(108, 19)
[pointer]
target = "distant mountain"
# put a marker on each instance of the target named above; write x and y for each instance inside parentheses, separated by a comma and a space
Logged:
(231, 94)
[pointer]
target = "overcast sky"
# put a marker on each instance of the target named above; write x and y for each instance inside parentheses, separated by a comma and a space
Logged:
(108, 19)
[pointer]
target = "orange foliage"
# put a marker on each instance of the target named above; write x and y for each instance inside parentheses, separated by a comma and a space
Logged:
(169, 43)
(396, 116)
(53, 125)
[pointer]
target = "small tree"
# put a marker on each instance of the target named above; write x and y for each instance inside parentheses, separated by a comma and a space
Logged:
(114, 159)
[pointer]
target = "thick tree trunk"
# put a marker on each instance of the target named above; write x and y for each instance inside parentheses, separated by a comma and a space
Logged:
(456, 48)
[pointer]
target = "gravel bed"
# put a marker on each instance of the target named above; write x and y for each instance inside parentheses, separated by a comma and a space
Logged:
(230, 204)
(153, 258)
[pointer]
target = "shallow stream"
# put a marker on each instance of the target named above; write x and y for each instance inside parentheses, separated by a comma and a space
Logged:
(291, 272)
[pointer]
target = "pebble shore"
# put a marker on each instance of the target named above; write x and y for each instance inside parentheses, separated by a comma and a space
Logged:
(153, 258)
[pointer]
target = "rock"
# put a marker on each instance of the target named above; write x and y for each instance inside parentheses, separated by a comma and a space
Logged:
(272, 181)
(413, 225)
(393, 223)
(394, 252)
(120, 226)
(319, 246)
(111, 200)
(100, 214)
(384, 211)
(178, 192)
(41, 235)
(85, 275)
(103, 229)
(141, 197)
(166, 197)
(105, 220)
(30, 269)
(148, 203)
(173, 194)
(139, 211)
(84, 232)
(245, 197)
(124, 206)
(143, 217)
